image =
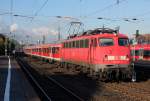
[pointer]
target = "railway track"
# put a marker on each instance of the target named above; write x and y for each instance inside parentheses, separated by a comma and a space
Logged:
(130, 91)
(48, 88)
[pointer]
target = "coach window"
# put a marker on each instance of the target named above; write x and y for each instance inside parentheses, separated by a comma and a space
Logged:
(46, 50)
(50, 50)
(53, 49)
(65, 45)
(146, 52)
(106, 42)
(43, 50)
(39, 49)
(135, 52)
(56, 50)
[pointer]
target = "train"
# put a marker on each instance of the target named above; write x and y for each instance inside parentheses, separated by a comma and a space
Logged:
(140, 53)
(102, 52)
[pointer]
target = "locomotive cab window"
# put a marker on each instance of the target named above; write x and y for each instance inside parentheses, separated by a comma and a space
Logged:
(106, 42)
(123, 42)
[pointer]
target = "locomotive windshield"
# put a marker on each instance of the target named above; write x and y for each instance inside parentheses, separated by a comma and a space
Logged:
(123, 41)
(106, 42)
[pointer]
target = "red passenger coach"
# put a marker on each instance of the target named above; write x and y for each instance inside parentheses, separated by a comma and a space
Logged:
(141, 52)
(102, 51)
(55, 51)
(45, 51)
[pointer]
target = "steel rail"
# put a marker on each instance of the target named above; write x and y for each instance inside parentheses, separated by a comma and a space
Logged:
(33, 79)
(67, 90)
(51, 80)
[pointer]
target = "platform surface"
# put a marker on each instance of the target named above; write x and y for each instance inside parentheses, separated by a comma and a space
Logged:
(20, 89)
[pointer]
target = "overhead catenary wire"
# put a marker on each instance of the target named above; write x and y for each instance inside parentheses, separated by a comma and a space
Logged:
(105, 8)
(11, 11)
(36, 13)
(6, 13)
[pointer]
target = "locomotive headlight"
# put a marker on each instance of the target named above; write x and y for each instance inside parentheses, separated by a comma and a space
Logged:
(111, 58)
(123, 57)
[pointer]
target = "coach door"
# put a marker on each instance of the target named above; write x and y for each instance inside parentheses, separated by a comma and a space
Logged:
(93, 46)
(141, 53)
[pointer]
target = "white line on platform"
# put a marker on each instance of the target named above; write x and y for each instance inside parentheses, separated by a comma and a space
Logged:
(7, 89)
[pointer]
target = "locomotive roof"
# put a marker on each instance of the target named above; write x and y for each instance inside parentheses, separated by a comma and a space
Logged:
(98, 32)
(98, 35)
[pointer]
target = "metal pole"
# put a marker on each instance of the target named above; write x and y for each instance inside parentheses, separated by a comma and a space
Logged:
(59, 32)
(134, 73)
(6, 46)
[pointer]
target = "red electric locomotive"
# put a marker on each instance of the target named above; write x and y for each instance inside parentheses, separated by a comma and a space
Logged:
(104, 52)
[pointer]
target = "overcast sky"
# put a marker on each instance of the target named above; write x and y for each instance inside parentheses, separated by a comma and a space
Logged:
(40, 17)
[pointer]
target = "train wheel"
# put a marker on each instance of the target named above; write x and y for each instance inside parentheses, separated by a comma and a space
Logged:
(110, 76)
(103, 76)
(117, 76)
(133, 76)
(91, 72)
(61, 64)
(66, 65)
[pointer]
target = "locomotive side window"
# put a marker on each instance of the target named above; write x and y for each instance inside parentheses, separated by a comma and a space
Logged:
(106, 42)
(69, 44)
(77, 44)
(73, 44)
(81, 43)
(123, 41)
(86, 43)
